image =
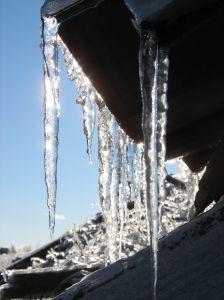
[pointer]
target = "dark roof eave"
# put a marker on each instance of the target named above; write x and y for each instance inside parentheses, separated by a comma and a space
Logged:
(55, 7)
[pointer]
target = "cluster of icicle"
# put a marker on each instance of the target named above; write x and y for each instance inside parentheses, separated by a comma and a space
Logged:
(130, 174)
(121, 163)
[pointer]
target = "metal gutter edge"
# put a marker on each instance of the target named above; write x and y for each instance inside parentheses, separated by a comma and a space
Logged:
(53, 7)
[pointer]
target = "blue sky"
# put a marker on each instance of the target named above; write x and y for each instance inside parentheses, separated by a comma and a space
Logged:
(23, 210)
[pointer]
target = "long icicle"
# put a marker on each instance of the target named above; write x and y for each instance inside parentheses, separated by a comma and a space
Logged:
(52, 112)
(163, 69)
(148, 71)
(106, 155)
(114, 192)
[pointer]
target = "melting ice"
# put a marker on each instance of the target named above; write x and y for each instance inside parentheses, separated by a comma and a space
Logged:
(131, 176)
(148, 71)
(87, 95)
(153, 73)
(52, 112)
(120, 160)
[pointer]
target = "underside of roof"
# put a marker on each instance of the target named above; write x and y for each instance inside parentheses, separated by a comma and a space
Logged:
(102, 36)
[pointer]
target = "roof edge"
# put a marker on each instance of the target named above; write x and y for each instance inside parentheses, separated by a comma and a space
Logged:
(53, 7)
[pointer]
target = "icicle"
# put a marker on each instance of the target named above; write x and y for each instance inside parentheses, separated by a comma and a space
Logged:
(88, 108)
(148, 64)
(52, 112)
(87, 95)
(114, 192)
(105, 155)
(138, 179)
(163, 66)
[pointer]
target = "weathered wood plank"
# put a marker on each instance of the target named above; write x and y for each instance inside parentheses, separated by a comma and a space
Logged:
(38, 282)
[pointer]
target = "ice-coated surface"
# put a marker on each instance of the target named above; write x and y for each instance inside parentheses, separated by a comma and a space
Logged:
(52, 112)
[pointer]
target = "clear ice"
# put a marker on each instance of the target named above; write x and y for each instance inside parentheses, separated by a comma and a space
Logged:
(148, 71)
(87, 95)
(108, 179)
(162, 107)
(52, 112)
(153, 72)
(135, 199)
(120, 160)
